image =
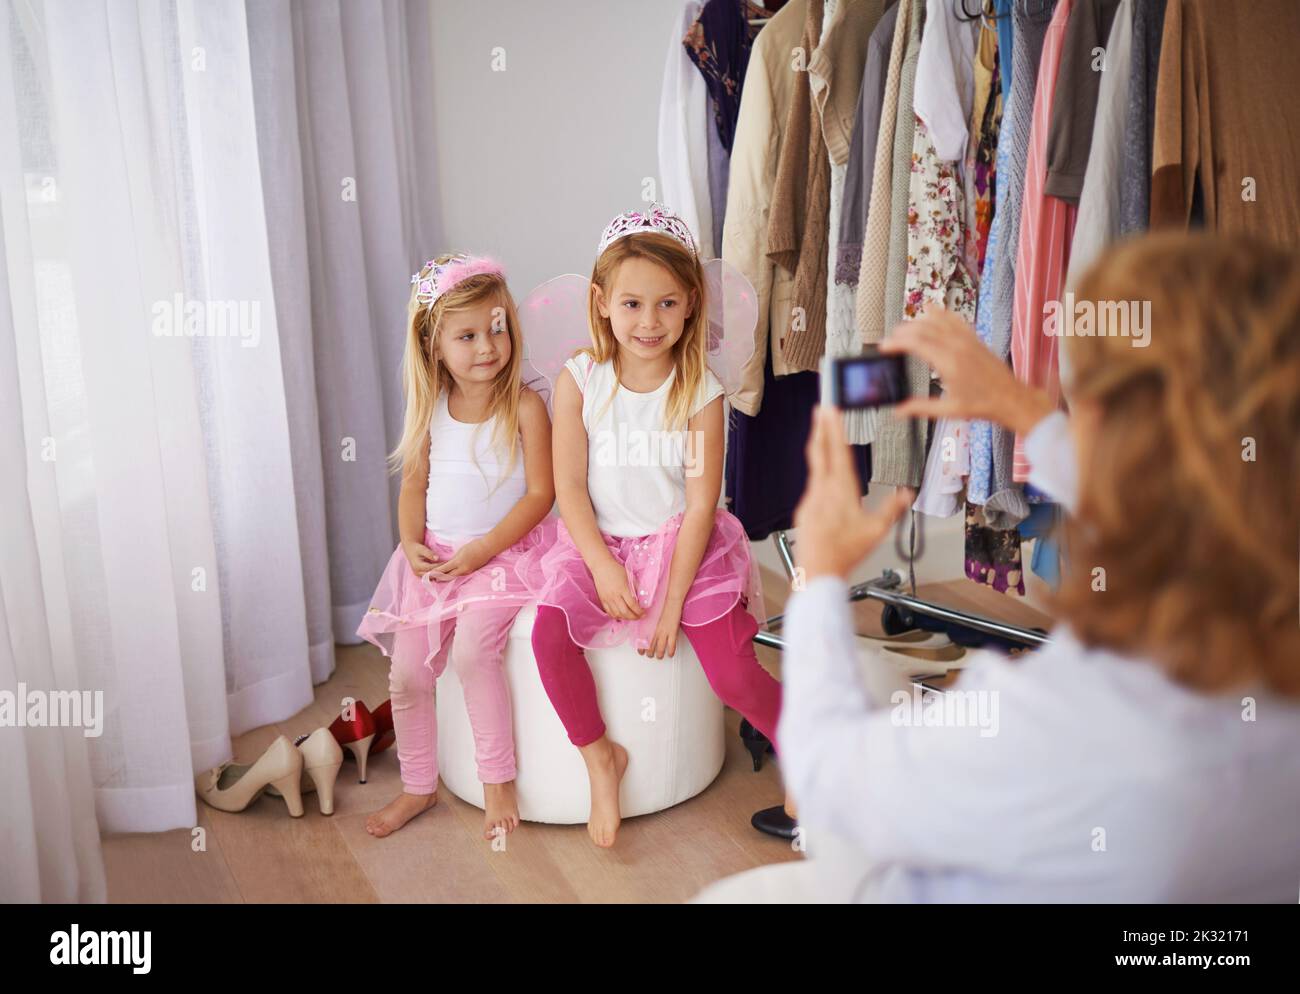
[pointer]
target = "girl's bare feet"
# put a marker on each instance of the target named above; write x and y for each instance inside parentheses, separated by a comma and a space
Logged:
(606, 763)
(398, 812)
(500, 809)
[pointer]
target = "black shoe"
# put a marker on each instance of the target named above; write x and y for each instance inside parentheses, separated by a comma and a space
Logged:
(774, 821)
(756, 742)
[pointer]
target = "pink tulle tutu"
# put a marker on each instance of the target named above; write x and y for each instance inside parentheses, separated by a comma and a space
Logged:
(559, 577)
(403, 600)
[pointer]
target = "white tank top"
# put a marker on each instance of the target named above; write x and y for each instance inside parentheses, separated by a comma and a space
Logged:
(464, 501)
(636, 469)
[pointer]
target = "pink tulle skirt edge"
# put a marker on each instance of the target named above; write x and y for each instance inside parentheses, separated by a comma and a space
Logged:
(558, 577)
(404, 601)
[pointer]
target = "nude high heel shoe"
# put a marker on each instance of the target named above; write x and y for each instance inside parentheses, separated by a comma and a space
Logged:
(322, 758)
(234, 786)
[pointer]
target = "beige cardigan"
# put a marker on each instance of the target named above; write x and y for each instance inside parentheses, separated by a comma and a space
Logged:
(797, 229)
(875, 243)
(755, 152)
(835, 71)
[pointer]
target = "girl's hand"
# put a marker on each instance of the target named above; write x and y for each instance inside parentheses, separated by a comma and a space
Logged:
(420, 557)
(834, 531)
(614, 587)
(469, 557)
(665, 637)
(976, 383)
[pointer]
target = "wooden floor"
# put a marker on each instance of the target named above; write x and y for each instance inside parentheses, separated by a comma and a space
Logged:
(263, 855)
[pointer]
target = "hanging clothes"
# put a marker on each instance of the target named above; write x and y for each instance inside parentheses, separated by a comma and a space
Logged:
(945, 91)
(755, 151)
(1140, 119)
(1100, 220)
(835, 78)
(797, 225)
(981, 151)
(719, 176)
(766, 469)
(1046, 228)
(992, 446)
(993, 554)
(1227, 121)
(719, 42)
(1084, 58)
(898, 457)
(862, 149)
(683, 135)
(870, 303)
(766, 463)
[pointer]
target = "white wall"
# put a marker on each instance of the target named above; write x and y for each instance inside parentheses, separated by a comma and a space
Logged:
(535, 160)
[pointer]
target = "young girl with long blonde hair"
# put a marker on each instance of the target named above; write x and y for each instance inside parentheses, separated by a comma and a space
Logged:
(643, 551)
(475, 458)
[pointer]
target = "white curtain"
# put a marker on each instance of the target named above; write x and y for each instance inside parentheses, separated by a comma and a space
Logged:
(210, 213)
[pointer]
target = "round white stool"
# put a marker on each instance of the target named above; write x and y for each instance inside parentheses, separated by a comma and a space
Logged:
(663, 711)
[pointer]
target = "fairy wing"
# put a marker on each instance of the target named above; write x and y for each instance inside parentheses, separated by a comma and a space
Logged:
(555, 325)
(733, 316)
(554, 322)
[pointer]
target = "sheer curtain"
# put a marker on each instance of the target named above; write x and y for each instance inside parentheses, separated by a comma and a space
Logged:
(210, 212)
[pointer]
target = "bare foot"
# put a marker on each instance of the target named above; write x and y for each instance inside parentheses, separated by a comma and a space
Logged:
(789, 807)
(500, 809)
(398, 812)
(606, 763)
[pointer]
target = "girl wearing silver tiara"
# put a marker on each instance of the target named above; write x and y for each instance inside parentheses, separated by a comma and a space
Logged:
(643, 551)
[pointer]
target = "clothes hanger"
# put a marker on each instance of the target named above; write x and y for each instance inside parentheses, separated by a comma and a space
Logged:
(986, 10)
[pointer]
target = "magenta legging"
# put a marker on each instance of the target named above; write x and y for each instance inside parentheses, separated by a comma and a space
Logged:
(725, 648)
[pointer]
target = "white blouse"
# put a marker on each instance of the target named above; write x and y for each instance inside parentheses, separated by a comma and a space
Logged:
(467, 496)
(636, 468)
(1068, 774)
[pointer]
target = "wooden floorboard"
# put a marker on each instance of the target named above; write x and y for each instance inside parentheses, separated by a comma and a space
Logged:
(263, 855)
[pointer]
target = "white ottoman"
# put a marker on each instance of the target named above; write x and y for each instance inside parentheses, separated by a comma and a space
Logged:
(663, 711)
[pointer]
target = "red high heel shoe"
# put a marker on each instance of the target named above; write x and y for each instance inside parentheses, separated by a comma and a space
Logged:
(358, 735)
(384, 734)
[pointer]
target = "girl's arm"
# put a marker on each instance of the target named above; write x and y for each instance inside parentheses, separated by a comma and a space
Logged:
(535, 504)
(703, 485)
(411, 512)
(570, 454)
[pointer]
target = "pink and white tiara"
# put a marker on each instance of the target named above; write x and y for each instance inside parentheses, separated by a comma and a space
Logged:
(442, 277)
(655, 218)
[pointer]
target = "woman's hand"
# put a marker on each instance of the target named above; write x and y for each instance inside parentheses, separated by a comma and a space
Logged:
(614, 587)
(834, 532)
(469, 557)
(420, 557)
(976, 383)
(665, 637)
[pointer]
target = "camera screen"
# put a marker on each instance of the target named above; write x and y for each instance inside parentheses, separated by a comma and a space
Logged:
(870, 382)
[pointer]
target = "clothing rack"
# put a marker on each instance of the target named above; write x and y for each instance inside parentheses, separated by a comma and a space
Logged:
(887, 588)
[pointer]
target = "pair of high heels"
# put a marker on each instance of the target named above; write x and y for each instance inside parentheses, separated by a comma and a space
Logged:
(286, 769)
(367, 733)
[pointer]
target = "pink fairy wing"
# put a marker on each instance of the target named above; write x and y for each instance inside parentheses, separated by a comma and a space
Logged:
(554, 320)
(733, 316)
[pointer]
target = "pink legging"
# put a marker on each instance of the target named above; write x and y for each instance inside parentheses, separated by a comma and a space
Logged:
(725, 648)
(475, 641)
